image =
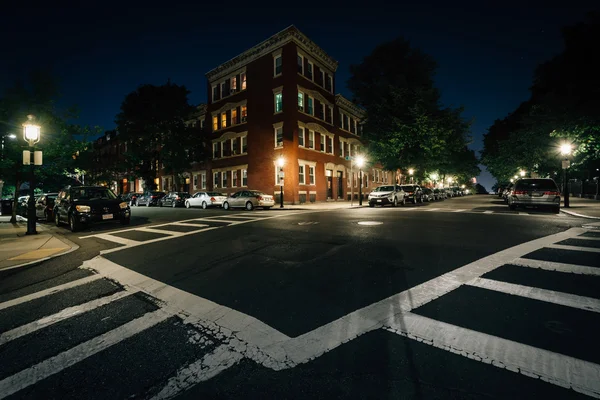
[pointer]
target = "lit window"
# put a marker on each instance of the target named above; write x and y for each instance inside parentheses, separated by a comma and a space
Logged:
(244, 144)
(234, 119)
(244, 113)
(309, 105)
(300, 101)
(233, 83)
(278, 102)
(301, 174)
(234, 181)
(311, 139)
(243, 80)
(322, 144)
(300, 64)
(224, 120)
(311, 175)
(309, 70)
(278, 137)
(216, 180)
(301, 136)
(224, 176)
(215, 123)
(278, 68)
(244, 177)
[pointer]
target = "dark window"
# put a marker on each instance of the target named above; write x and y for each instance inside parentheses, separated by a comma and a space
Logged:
(328, 82)
(277, 65)
(536, 184)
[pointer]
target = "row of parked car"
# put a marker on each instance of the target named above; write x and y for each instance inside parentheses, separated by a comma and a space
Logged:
(395, 195)
(248, 199)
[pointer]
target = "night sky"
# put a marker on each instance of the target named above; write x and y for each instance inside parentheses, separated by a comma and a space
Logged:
(486, 54)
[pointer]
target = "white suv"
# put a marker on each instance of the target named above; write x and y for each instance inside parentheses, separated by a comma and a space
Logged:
(388, 194)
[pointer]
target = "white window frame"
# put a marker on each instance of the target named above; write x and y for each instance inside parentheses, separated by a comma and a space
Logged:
(215, 123)
(233, 83)
(301, 57)
(327, 139)
(275, 102)
(244, 175)
(303, 180)
(216, 179)
(328, 76)
(301, 97)
(322, 144)
(215, 149)
(213, 92)
(234, 178)
(311, 133)
(224, 179)
(311, 67)
(277, 145)
(311, 175)
(244, 139)
(324, 111)
(203, 180)
(310, 100)
(301, 134)
(222, 148)
(242, 113)
(323, 77)
(275, 58)
(224, 120)
(243, 81)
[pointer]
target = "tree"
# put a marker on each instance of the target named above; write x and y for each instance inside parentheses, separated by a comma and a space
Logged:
(406, 126)
(480, 189)
(152, 122)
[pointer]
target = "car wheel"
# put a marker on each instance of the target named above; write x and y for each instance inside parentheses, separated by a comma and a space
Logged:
(187, 204)
(421, 200)
(56, 219)
(125, 221)
(148, 204)
(249, 206)
(226, 206)
(371, 205)
(395, 202)
(204, 205)
(74, 224)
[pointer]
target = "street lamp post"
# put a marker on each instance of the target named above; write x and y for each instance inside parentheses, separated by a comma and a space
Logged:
(31, 134)
(360, 162)
(565, 150)
(281, 162)
(411, 172)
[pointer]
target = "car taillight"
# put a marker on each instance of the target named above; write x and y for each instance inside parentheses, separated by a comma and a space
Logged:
(519, 192)
(178, 198)
(152, 197)
(259, 198)
(212, 199)
(552, 193)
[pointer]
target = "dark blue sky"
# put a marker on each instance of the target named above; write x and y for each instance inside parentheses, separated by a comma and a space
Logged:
(486, 54)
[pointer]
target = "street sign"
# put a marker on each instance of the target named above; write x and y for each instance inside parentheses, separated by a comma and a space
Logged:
(566, 164)
(348, 158)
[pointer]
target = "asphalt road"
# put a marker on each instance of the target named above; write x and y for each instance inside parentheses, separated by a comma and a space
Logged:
(455, 299)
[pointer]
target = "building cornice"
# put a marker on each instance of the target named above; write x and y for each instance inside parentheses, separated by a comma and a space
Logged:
(289, 34)
(349, 106)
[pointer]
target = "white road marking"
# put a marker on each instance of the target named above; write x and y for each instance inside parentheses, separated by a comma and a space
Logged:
(116, 239)
(190, 224)
(60, 316)
(56, 364)
(523, 213)
(460, 210)
(576, 248)
(550, 367)
(230, 221)
(549, 296)
(587, 238)
(488, 212)
(49, 291)
(204, 369)
(242, 217)
(432, 209)
(165, 231)
(555, 266)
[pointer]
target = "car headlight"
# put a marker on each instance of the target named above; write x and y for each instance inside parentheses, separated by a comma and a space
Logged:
(83, 209)
(123, 205)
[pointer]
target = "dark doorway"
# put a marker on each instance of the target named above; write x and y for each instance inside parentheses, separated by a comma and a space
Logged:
(330, 186)
(340, 185)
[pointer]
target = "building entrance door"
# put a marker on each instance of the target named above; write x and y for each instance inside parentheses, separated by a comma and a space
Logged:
(330, 187)
(340, 185)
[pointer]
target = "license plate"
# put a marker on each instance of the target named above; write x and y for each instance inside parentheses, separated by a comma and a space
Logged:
(379, 201)
(537, 194)
(107, 216)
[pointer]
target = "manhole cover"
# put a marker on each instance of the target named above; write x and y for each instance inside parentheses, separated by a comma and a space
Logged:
(370, 223)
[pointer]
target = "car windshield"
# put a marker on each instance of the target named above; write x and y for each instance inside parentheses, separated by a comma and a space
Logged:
(536, 184)
(92, 193)
(214, 194)
(384, 189)
(408, 188)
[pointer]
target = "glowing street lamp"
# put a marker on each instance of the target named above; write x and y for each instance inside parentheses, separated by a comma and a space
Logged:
(516, 176)
(411, 173)
(565, 151)
(360, 162)
(566, 148)
(32, 135)
(511, 180)
(281, 163)
(522, 173)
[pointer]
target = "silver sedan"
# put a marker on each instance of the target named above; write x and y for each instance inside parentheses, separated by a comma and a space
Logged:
(205, 200)
(249, 199)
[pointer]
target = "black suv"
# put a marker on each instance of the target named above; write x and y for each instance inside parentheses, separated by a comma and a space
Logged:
(413, 193)
(81, 205)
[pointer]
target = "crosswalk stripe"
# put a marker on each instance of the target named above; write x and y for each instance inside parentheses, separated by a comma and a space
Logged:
(244, 217)
(204, 369)
(460, 210)
(189, 224)
(551, 367)
(549, 296)
(56, 364)
(556, 266)
(230, 221)
(488, 212)
(161, 231)
(432, 209)
(52, 290)
(576, 248)
(60, 316)
(116, 239)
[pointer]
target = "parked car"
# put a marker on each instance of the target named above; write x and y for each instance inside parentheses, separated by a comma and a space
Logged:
(174, 199)
(206, 199)
(428, 195)
(506, 192)
(79, 206)
(388, 194)
(249, 199)
(413, 193)
(440, 194)
(131, 198)
(535, 192)
(44, 206)
(150, 198)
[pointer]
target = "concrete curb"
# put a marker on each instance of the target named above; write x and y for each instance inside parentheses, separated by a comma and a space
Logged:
(574, 214)
(62, 239)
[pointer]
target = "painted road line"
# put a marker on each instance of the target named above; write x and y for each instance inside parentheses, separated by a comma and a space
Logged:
(244, 217)
(576, 248)
(161, 231)
(190, 224)
(488, 212)
(178, 301)
(432, 209)
(523, 213)
(530, 361)
(49, 291)
(556, 266)
(327, 337)
(116, 239)
(56, 364)
(230, 221)
(60, 316)
(204, 369)
(586, 238)
(460, 210)
(549, 296)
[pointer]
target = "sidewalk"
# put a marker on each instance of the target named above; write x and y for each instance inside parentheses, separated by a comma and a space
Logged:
(18, 249)
(585, 208)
